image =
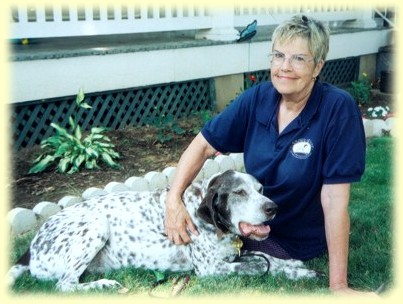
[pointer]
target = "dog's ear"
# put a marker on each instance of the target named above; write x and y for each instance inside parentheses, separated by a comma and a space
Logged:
(207, 209)
(204, 212)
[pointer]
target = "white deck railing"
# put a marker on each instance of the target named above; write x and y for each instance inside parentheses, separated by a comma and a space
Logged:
(62, 21)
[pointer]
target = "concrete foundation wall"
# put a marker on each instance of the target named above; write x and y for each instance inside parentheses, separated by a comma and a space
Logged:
(55, 77)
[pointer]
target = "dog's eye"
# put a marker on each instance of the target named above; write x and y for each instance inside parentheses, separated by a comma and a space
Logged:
(240, 192)
(260, 190)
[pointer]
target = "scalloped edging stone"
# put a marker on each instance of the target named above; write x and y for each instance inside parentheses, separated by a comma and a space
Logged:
(93, 192)
(225, 162)
(156, 180)
(136, 183)
(69, 200)
(21, 220)
(46, 209)
(210, 168)
(169, 173)
(113, 187)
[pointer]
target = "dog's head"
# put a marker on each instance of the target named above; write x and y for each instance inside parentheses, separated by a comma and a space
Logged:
(234, 203)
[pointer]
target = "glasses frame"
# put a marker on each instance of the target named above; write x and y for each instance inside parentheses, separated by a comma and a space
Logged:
(291, 59)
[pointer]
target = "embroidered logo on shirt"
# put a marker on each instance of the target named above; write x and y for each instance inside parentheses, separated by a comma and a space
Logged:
(302, 148)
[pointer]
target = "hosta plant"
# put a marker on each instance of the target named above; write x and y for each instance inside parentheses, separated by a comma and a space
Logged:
(70, 150)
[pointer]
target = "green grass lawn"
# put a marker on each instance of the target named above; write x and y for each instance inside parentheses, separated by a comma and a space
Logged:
(370, 259)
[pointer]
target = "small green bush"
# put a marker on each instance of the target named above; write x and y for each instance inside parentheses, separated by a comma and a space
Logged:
(166, 127)
(361, 90)
(72, 151)
(203, 116)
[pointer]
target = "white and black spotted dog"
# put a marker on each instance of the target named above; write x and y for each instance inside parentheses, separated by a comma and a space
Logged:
(126, 229)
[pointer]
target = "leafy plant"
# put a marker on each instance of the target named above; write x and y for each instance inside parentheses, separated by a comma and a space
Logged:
(361, 89)
(71, 150)
(166, 127)
(204, 116)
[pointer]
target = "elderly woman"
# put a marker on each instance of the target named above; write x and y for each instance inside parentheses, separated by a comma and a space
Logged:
(302, 139)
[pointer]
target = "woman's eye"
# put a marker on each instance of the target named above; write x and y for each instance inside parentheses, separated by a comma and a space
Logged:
(299, 58)
(278, 55)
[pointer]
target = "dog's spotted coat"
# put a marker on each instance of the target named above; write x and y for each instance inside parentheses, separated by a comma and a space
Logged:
(127, 229)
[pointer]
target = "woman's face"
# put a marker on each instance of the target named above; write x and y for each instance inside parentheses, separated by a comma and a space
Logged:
(293, 76)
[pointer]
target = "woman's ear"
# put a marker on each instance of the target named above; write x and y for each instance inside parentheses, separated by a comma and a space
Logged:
(318, 68)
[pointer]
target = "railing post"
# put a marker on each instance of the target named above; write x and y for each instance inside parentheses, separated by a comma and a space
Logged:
(222, 26)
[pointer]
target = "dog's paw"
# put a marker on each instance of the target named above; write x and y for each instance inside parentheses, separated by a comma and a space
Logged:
(102, 284)
(301, 273)
(251, 267)
(107, 284)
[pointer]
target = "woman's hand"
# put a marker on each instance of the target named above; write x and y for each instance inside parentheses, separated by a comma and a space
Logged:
(177, 221)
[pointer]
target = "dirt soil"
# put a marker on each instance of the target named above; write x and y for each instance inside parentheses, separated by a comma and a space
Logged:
(140, 153)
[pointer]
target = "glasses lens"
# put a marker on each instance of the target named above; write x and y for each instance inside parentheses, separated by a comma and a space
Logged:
(277, 59)
(296, 61)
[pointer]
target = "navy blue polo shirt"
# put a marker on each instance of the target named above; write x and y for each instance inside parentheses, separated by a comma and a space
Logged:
(325, 144)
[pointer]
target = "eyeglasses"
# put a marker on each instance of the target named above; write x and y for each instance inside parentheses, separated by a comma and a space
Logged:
(298, 62)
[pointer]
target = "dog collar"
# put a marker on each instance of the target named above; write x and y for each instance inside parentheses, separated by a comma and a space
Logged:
(237, 243)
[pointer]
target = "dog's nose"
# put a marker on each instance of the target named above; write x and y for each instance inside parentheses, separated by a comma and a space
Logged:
(270, 209)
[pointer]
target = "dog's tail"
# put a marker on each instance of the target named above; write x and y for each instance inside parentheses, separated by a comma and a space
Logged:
(18, 269)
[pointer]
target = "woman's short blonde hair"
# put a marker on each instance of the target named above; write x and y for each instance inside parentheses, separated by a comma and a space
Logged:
(315, 32)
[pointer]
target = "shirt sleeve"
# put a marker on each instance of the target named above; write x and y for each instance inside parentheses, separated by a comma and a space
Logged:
(345, 147)
(226, 131)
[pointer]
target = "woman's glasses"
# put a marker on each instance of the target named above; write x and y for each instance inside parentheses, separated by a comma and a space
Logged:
(298, 62)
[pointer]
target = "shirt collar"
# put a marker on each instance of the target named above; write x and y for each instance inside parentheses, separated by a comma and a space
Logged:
(312, 105)
(267, 107)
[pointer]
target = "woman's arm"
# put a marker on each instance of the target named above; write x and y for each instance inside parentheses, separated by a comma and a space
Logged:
(335, 199)
(177, 218)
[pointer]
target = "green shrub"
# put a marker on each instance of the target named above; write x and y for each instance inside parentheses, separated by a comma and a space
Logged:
(166, 127)
(361, 90)
(203, 116)
(71, 151)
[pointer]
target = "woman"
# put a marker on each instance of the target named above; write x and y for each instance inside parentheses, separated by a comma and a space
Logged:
(302, 139)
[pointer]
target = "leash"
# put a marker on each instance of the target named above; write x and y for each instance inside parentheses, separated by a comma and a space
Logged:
(240, 256)
(237, 243)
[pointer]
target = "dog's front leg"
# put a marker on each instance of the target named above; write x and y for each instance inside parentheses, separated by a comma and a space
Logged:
(226, 268)
(251, 266)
